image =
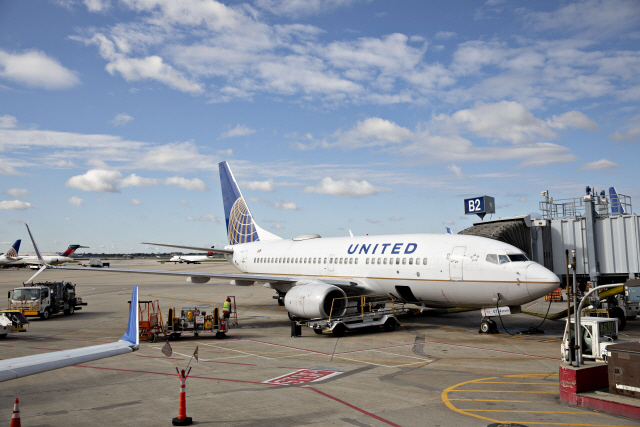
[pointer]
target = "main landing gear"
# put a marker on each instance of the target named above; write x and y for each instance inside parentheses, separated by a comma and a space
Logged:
(488, 326)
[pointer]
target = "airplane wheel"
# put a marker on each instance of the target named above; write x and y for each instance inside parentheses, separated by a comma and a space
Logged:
(339, 330)
(389, 325)
(618, 313)
(487, 326)
(318, 331)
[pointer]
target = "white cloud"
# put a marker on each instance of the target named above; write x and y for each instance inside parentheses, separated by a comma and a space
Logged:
(284, 204)
(36, 69)
(457, 170)
(101, 180)
(97, 5)
(345, 188)
(602, 164)
(18, 193)
(633, 134)
(77, 201)
(206, 218)
(184, 202)
(523, 199)
(371, 132)
(277, 226)
(134, 180)
(178, 156)
(6, 168)
(260, 185)
(574, 119)
(298, 8)
(225, 153)
(449, 222)
(395, 218)
(16, 205)
(373, 221)
(136, 202)
(194, 184)
(8, 122)
(445, 35)
(121, 119)
(239, 130)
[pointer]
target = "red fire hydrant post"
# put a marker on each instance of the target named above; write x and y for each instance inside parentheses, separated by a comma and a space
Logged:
(182, 419)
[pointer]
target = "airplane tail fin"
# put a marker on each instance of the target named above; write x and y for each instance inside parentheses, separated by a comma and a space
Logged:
(133, 332)
(13, 251)
(616, 205)
(449, 230)
(241, 228)
(71, 249)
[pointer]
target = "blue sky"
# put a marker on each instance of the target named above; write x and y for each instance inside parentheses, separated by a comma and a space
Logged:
(375, 116)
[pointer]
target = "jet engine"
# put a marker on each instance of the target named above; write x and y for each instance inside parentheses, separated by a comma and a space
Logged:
(313, 300)
(197, 279)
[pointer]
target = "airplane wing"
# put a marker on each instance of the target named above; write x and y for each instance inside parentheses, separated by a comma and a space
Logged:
(18, 367)
(195, 248)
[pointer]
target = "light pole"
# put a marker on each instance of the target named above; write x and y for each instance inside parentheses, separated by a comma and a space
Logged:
(629, 283)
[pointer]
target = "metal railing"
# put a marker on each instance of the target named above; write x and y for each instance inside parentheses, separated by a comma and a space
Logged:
(575, 207)
(364, 304)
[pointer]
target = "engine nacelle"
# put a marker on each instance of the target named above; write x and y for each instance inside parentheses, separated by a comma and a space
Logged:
(197, 279)
(313, 300)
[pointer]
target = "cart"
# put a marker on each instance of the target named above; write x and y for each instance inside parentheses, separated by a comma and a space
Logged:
(200, 319)
(150, 322)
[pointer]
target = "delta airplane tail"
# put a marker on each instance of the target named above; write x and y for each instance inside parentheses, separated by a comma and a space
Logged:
(70, 250)
(13, 250)
(241, 227)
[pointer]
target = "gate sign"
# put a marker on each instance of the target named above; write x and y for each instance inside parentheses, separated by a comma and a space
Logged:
(479, 205)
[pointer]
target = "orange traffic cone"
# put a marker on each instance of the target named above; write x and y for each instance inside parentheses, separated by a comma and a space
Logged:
(182, 419)
(15, 419)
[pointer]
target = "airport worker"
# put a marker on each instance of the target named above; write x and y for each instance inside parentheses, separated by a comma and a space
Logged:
(226, 308)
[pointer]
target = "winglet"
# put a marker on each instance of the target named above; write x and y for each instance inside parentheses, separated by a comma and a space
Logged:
(132, 335)
(35, 246)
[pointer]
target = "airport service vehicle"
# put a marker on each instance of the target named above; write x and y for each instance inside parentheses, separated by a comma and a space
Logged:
(11, 255)
(61, 258)
(366, 311)
(195, 320)
(597, 334)
(96, 263)
(46, 298)
(309, 272)
(12, 321)
(621, 303)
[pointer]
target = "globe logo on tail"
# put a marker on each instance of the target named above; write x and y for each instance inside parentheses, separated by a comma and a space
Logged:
(11, 253)
(241, 226)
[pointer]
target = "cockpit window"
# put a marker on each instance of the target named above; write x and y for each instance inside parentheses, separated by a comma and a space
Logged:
(493, 258)
(518, 257)
(503, 259)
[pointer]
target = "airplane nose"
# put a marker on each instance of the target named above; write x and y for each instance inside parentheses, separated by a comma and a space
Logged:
(540, 280)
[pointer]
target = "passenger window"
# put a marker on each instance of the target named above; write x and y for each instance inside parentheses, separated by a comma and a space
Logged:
(385, 261)
(492, 258)
(356, 261)
(417, 261)
(350, 260)
(424, 261)
(366, 261)
(379, 260)
(503, 259)
(397, 261)
(410, 261)
(330, 260)
(404, 261)
(325, 260)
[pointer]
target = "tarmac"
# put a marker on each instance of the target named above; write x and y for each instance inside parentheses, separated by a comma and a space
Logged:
(433, 371)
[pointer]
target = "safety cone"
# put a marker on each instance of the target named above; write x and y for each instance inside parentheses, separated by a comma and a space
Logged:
(15, 419)
(182, 419)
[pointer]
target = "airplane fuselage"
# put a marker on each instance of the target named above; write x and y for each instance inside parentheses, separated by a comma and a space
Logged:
(436, 270)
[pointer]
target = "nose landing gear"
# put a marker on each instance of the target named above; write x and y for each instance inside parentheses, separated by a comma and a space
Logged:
(488, 326)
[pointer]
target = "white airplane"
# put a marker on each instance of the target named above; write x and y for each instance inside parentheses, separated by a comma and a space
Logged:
(61, 258)
(12, 254)
(18, 367)
(308, 272)
(191, 259)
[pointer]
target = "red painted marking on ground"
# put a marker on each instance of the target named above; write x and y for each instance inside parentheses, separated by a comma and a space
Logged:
(302, 376)
(229, 363)
(165, 374)
(285, 367)
(61, 339)
(5, 345)
(454, 345)
(287, 346)
(352, 406)
(159, 357)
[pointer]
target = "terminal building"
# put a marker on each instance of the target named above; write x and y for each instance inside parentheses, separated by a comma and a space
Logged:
(600, 227)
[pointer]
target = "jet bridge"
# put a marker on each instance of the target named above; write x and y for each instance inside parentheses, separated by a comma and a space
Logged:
(602, 229)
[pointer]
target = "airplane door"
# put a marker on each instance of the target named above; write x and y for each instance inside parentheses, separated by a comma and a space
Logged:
(331, 260)
(455, 262)
(243, 260)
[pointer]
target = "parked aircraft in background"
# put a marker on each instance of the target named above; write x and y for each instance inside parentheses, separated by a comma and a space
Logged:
(50, 259)
(18, 367)
(12, 254)
(191, 259)
(308, 272)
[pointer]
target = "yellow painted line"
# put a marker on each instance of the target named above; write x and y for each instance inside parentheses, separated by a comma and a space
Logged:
(493, 400)
(509, 391)
(535, 412)
(531, 375)
(445, 398)
(510, 382)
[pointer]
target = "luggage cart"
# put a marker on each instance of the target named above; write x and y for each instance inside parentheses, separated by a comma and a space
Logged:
(364, 311)
(198, 319)
(150, 322)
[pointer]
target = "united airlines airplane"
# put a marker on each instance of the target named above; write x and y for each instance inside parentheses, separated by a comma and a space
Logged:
(12, 254)
(308, 272)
